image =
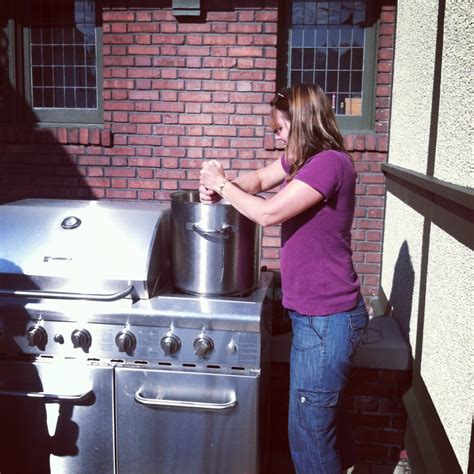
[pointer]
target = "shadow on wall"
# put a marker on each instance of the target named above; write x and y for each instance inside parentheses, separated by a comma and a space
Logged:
(26, 441)
(401, 296)
(32, 163)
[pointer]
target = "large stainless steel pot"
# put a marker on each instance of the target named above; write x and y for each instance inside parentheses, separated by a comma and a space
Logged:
(215, 250)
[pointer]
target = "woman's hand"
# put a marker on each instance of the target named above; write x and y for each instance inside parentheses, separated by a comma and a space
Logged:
(207, 196)
(212, 176)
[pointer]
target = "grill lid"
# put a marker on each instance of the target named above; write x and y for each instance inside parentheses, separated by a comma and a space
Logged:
(83, 249)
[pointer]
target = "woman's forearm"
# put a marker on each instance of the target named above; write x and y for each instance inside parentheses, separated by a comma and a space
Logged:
(248, 182)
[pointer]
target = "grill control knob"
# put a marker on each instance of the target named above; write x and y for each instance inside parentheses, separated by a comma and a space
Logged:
(203, 346)
(126, 341)
(170, 343)
(37, 336)
(81, 338)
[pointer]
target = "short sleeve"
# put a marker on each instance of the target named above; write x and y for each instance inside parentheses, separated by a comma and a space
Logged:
(323, 172)
(284, 163)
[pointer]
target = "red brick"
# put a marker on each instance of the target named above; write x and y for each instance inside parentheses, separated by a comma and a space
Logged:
(144, 184)
(368, 247)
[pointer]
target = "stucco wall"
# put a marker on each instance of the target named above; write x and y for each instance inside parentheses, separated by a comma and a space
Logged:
(402, 263)
(454, 151)
(413, 84)
(427, 244)
(448, 352)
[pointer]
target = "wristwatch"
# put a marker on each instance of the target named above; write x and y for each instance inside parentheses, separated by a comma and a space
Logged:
(221, 186)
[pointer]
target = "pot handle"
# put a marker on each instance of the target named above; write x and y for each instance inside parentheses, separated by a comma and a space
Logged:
(222, 232)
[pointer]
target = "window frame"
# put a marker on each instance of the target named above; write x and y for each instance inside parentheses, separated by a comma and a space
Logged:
(347, 123)
(18, 33)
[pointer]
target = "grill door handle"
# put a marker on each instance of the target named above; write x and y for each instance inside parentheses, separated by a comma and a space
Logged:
(52, 397)
(70, 296)
(153, 402)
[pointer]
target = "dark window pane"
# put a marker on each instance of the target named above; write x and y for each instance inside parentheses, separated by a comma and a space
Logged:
(295, 77)
(344, 77)
(48, 97)
(296, 58)
(37, 97)
(334, 13)
(70, 97)
(36, 56)
(37, 77)
(80, 76)
(332, 81)
(47, 54)
(48, 76)
(69, 76)
(320, 78)
(322, 13)
(58, 58)
(308, 58)
(64, 31)
(321, 36)
(346, 36)
(58, 36)
(297, 37)
(321, 58)
(358, 36)
(345, 58)
(327, 47)
(68, 36)
(69, 55)
(91, 78)
(357, 58)
(91, 99)
(81, 98)
(347, 14)
(298, 13)
(79, 55)
(310, 13)
(47, 36)
(35, 36)
(333, 36)
(308, 36)
(58, 97)
(58, 76)
(356, 81)
(90, 56)
(359, 13)
(308, 76)
(333, 58)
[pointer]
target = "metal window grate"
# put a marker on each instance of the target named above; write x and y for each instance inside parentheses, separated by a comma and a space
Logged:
(326, 46)
(63, 54)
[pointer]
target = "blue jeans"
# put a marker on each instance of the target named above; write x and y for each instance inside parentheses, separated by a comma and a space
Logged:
(321, 357)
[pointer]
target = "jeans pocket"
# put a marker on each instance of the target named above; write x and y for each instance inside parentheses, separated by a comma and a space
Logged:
(308, 332)
(317, 411)
(357, 323)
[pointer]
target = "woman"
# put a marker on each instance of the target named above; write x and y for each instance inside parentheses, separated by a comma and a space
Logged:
(315, 206)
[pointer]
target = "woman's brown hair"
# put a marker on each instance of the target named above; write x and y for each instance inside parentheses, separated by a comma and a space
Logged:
(313, 123)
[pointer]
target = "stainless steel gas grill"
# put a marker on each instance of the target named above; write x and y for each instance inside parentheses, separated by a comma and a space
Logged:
(104, 367)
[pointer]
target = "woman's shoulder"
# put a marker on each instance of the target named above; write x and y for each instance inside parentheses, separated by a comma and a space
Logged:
(330, 157)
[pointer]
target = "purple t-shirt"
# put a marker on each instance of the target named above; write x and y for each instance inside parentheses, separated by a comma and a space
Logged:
(317, 273)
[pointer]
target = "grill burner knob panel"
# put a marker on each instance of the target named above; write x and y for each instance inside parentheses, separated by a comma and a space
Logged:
(37, 336)
(126, 341)
(81, 338)
(203, 346)
(170, 343)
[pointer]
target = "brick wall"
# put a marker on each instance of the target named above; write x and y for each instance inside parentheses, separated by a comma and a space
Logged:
(178, 92)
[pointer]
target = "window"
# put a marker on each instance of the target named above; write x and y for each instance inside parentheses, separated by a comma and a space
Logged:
(333, 44)
(54, 69)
